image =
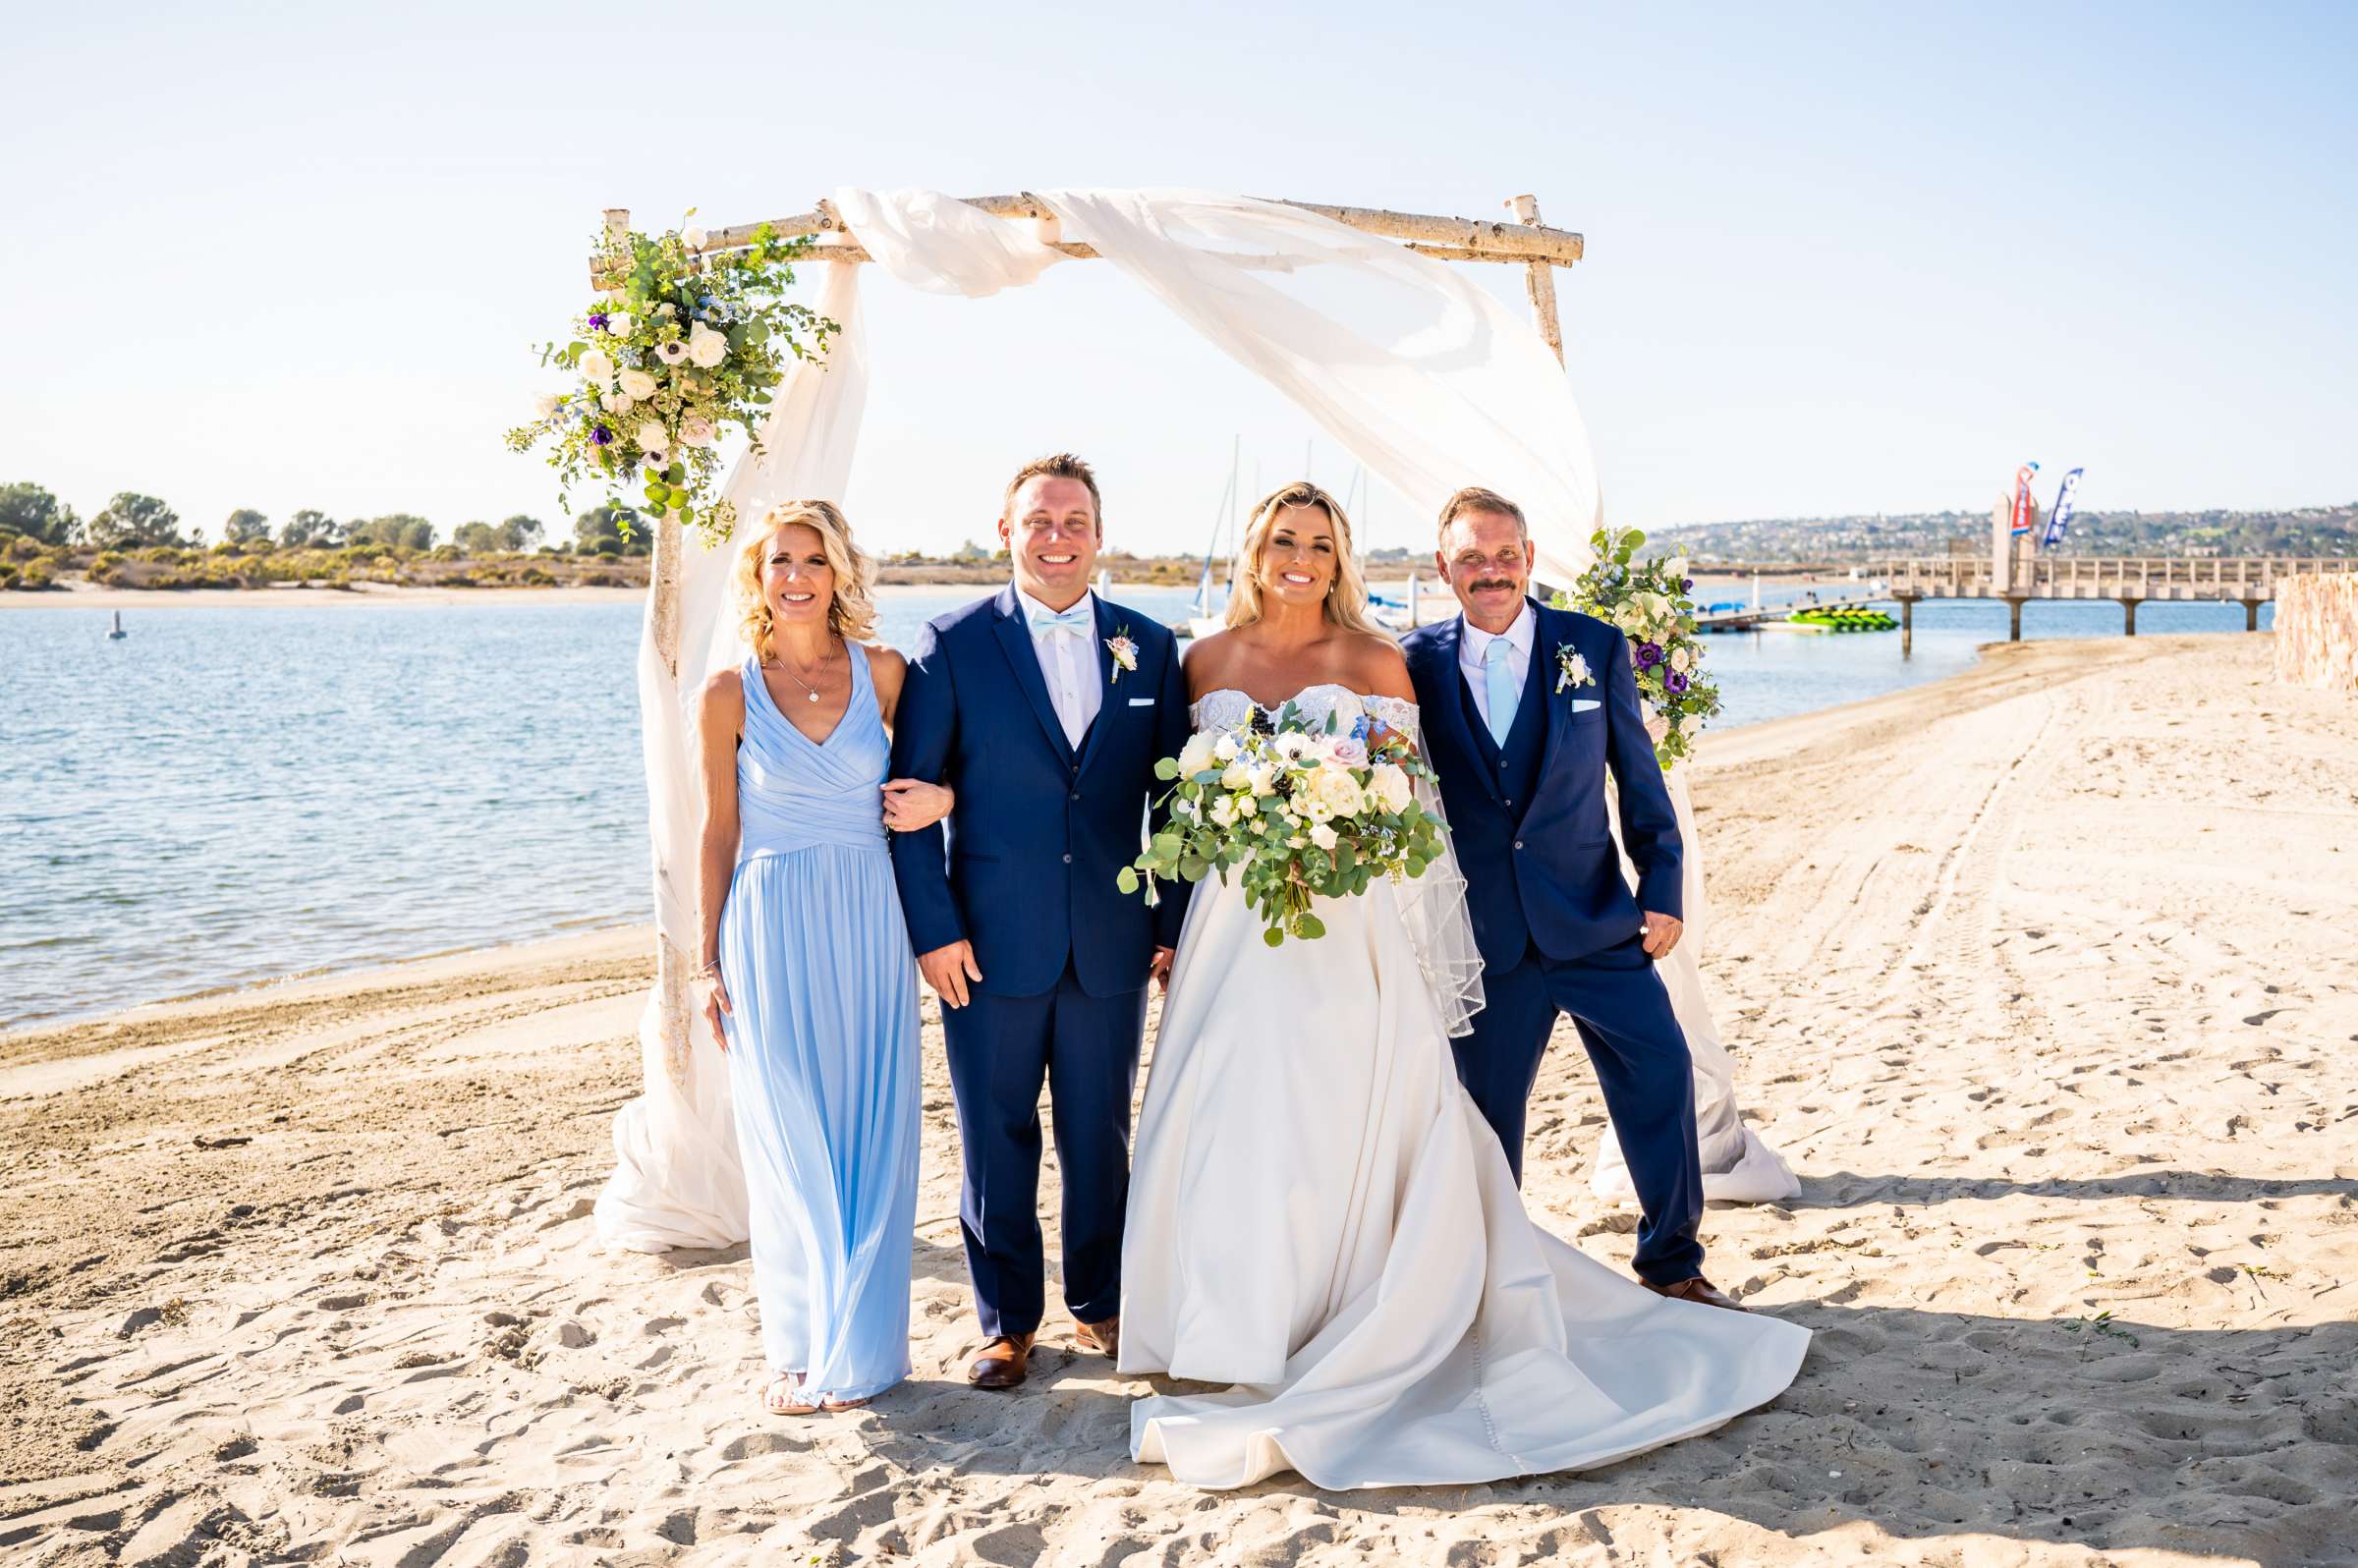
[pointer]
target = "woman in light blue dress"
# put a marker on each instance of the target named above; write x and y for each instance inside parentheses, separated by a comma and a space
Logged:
(807, 980)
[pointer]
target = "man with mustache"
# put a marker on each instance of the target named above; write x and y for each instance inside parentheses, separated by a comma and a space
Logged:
(1526, 708)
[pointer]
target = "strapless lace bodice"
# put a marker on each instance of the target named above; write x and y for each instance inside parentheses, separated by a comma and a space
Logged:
(1230, 710)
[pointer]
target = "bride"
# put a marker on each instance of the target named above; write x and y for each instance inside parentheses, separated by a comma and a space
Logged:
(1318, 1215)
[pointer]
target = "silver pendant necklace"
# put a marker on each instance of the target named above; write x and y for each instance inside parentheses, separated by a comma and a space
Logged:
(809, 692)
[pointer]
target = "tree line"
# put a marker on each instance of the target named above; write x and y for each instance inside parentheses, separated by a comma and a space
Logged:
(132, 520)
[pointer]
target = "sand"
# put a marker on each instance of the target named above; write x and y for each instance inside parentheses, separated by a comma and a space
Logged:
(2042, 977)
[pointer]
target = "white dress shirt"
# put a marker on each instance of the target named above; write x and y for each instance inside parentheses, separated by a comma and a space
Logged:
(1068, 662)
(1473, 655)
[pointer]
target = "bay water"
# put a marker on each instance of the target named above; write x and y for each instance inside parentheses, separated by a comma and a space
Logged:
(237, 792)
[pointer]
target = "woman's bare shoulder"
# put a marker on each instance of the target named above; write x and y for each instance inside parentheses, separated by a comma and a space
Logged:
(1377, 666)
(1207, 660)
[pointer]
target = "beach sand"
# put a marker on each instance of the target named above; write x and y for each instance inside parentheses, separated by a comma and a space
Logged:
(2042, 977)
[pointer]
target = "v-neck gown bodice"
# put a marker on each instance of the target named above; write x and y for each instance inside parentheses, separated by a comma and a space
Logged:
(822, 1045)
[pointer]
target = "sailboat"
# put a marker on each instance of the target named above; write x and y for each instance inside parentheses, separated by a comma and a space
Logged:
(118, 634)
(1207, 618)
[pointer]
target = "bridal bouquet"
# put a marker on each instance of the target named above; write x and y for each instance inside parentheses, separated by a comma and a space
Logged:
(1649, 601)
(680, 345)
(1296, 813)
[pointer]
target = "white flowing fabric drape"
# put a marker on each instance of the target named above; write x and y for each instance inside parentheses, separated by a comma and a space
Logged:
(1427, 378)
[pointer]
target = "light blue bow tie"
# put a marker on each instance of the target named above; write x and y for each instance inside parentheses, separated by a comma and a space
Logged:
(1077, 620)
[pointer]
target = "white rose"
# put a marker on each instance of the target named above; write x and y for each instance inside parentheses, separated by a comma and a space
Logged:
(1682, 659)
(1226, 748)
(696, 430)
(653, 437)
(1247, 806)
(638, 383)
(1264, 779)
(1223, 812)
(694, 238)
(707, 347)
(1311, 808)
(1236, 776)
(1196, 757)
(1336, 790)
(1390, 786)
(615, 402)
(619, 323)
(1322, 836)
(595, 368)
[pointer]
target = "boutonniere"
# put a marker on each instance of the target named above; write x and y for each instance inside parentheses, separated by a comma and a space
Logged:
(1571, 670)
(1124, 651)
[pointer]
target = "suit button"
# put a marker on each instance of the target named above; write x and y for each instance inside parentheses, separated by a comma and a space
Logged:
(1510, 800)
(1076, 795)
(1068, 860)
(1518, 845)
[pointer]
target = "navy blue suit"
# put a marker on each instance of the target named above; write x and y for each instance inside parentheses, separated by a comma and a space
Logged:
(1024, 870)
(1556, 923)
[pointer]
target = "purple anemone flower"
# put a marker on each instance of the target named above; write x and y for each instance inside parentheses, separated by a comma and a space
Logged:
(598, 319)
(1675, 683)
(601, 435)
(1649, 656)
(1686, 585)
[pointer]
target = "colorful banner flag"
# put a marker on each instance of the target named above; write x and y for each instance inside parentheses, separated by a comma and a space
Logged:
(2026, 509)
(2060, 517)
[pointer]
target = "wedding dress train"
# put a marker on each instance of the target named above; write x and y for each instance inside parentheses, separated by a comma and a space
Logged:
(1321, 1217)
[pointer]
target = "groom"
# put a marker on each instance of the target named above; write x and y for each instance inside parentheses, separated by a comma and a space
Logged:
(1526, 709)
(1046, 708)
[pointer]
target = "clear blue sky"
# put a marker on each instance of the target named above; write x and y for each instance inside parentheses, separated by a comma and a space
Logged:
(1840, 258)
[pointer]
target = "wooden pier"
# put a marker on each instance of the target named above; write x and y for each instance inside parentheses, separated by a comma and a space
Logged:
(2247, 580)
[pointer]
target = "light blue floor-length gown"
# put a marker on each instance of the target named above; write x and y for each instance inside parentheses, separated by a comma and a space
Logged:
(822, 1046)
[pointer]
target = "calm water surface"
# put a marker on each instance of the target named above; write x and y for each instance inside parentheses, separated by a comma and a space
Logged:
(237, 792)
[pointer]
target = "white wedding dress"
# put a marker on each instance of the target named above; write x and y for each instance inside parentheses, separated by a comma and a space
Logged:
(1321, 1217)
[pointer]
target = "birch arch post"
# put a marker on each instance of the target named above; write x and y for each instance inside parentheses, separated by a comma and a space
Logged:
(1525, 242)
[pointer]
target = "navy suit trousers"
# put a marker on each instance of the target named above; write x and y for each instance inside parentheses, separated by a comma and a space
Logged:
(1001, 1049)
(1617, 1003)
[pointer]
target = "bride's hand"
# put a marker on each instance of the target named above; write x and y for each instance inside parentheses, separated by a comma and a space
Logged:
(911, 803)
(717, 1006)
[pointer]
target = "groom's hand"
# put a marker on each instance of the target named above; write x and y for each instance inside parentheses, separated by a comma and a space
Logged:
(1662, 933)
(948, 970)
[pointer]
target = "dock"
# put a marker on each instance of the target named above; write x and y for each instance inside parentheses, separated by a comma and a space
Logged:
(2247, 580)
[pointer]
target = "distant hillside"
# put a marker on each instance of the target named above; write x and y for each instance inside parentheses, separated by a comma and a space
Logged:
(2310, 530)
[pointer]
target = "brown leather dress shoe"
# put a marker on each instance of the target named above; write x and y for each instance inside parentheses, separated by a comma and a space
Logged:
(1002, 1362)
(1698, 1290)
(1105, 1336)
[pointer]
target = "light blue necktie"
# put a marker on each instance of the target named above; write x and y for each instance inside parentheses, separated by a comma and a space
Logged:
(1498, 687)
(1076, 619)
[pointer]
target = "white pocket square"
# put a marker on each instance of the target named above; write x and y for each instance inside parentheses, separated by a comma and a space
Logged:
(1142, 701)
(1580, 704)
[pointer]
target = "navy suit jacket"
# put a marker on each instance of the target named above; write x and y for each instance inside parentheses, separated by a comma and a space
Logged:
(1545, 872)
(1024, 867)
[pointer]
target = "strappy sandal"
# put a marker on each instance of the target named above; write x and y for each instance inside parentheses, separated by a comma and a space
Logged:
(785, 1407)
(836, 1407)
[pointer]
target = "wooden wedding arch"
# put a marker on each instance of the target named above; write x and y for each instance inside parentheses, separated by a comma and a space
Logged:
(1525, 242)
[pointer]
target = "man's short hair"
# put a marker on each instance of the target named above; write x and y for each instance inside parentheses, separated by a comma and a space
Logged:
(1056, 466)
(1473, 498)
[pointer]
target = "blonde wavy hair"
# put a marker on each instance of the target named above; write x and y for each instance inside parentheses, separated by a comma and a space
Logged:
(851, 614)
(1346, 597)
